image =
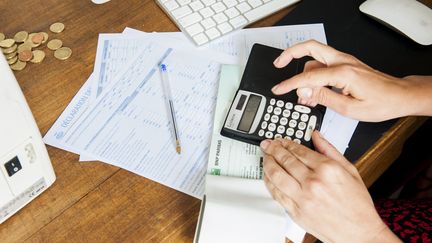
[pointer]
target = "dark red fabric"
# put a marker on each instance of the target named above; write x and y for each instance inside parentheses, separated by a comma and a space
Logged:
(410, 220)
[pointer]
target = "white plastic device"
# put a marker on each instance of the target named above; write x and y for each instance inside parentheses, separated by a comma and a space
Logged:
(26, 169)
(409, 17)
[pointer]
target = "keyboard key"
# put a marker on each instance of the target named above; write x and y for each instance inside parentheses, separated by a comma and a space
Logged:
(286, 113)
(271, 127)
(277, 111)
(255, 3)
(218, 7)
(287, 138)
(208, 23)
(229, 3)
(289, 105)
(295, 115)
(171, 5)
(304, 117)
(212, 33)
(310, 127)
(183, 2)
(181, 12)
(292, 123)
(225, 28)
(269, 134)
(272, 101)
(266, 117)
(302, 125)
(281, 129)
(238, 21)
(302, 109)
(290, 131)
(299, 134)
(274, 119)
(208, 2)
(194, 29)
(279, 103)
(269, 109)
(220, 18)
(190, 19)
(284, 121)
(231, 12)
(265, 10)
(261, 133)
(297, 141)
(278, 136)
(200, 39)
(243, 7)
(206, 12)
(196, 5)
(264, 125)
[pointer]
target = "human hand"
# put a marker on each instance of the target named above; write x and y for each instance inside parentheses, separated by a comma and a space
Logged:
(322, 192)
(366, 94)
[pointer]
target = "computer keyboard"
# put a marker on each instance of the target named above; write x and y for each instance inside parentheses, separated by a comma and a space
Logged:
(206, 20)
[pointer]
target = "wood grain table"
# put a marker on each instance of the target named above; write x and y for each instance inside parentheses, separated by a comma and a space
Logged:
(96, 202)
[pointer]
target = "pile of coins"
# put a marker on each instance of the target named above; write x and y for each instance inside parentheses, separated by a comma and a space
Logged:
(21, 49)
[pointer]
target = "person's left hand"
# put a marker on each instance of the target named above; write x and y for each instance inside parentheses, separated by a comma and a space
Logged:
(322, 191)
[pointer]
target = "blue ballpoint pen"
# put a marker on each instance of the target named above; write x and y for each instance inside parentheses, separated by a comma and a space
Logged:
(169, 99)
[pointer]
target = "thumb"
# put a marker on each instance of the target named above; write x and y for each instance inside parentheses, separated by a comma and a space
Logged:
(326, 148)
(326, 97)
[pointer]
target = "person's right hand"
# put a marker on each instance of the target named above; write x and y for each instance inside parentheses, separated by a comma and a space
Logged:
(366, 94)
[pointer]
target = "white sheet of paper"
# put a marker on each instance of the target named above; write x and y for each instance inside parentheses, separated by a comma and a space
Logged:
(242, 210)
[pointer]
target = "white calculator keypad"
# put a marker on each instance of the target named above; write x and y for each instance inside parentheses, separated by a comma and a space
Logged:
(287, 120)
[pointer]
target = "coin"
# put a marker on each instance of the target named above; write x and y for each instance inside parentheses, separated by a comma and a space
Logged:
(63, 53)
(57, 27)
(10, 49)
(54, 44)
(7, 43)
(20, 36)
(37, 38)
(11, 55)
(25, 46)
(12, 60)
(38, 56)
(46, 37)
(18, 66)
(25, 55)
(2, 36)
(29, 40)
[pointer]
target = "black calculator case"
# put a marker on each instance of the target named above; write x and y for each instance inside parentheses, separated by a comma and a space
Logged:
(260, 75)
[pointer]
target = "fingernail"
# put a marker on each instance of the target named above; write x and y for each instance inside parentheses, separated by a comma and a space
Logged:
(276, 61)
(274, 89)
(304, 93)
(264, 144)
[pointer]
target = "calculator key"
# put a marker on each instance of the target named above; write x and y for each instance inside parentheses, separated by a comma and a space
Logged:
(290, 131)
(297, 141)
(302, 109)
(295, 115)
(271, 127)
(269, 134)
(302, 125)
(272, 101)
(267, 117)
(286, 113)
(264, 125)
(279, 103)
(292, 123)
(269, 109)
(288, 138)
(304, 117)
(277, 111)
(274, 119)
(284, 121)
(278, 136)
(310, 127)
(281, 129)
(261, 133)
(289, 105)
(299, 134)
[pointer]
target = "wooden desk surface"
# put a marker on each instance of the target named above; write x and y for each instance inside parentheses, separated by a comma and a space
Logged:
(95, 201)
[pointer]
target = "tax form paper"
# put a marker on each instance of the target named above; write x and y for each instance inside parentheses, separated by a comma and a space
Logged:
(128, 125)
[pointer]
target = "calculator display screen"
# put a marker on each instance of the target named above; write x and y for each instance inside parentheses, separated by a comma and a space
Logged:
(249, 113)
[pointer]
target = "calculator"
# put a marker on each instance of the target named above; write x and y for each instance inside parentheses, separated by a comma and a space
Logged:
(254, 117)
(257, 114)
